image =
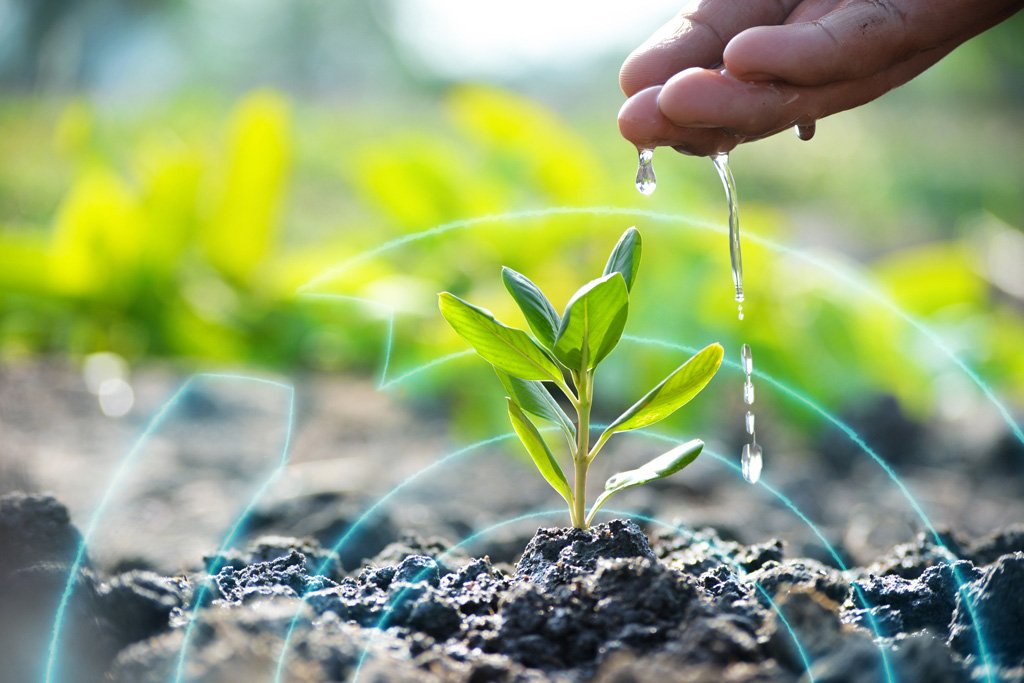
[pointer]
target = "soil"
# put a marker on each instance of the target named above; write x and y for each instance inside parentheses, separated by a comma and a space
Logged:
(604, 604)
(750, 596)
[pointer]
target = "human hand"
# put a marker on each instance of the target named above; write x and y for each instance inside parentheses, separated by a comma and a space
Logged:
(725, 72)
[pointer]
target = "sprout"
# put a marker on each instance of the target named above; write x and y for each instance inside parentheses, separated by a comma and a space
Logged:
(565, 351)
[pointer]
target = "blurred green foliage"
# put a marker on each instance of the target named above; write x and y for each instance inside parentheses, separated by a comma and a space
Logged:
(187, 234)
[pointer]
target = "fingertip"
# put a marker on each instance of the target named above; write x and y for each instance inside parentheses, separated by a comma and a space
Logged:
(635, 74)
(683, 99)
(641, 121)
(649, 65)
(752, 54)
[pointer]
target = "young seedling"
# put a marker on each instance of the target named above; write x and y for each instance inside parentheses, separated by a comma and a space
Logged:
(573, 345)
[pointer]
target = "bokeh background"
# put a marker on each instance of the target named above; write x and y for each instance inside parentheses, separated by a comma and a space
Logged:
(173, 172)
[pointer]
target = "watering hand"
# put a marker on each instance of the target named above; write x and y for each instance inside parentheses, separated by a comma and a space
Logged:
(786, 63)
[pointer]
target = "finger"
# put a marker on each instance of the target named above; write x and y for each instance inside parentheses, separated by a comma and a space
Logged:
(695, 38)
(642, 123)
(857, 39)
(700, 98)
(710, 98)
(853, 42)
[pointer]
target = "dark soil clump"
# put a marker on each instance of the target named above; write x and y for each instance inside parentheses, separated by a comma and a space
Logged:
(35, 528)
(554, 556)
(998, 605)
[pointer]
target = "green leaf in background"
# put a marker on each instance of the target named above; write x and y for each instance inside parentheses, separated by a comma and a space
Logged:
(593, 322)
(539, 451)
(625, 257)
(506, 348)
(245, 197)
(673, 392)
(664, 465)
(533, 398)
(540, 314)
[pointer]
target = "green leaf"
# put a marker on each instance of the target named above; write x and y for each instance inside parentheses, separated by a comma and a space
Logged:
(593, 322)
(540, 314)
(533, 398)
(625, 258)
(663, 466)
(506, 348)
(539, 451)
(673, 393)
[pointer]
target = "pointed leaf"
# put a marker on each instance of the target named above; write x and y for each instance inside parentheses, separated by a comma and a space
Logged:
(673, 393)
(533, 398)
(506, 348)
(540, 314)
(663, 466)
(625, 258)
(593, 322)
(539, 451)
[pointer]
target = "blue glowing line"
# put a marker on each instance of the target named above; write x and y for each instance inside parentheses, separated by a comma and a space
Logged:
(351, 530)
(229, 540)
(382, 622)
(389, 345)
(331, 296)
(464, 223)
(852, 434)
(427, 366)
(389, 339)
(120, 471)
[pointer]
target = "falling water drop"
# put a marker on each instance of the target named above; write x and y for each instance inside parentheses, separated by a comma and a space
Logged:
(751, 463)
(805, 131)
(751, 456)
(721, 162)
(646, 182)
(750, 459)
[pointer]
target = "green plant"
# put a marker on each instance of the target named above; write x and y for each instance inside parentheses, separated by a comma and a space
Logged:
(574, 344)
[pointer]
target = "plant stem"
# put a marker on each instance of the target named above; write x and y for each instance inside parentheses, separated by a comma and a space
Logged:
(580, 458)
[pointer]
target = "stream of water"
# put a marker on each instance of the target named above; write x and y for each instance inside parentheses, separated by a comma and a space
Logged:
(751, 459)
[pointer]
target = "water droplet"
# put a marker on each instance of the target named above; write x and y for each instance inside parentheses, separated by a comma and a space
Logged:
(739, 311)
(646, 181)
(748, 359)
(805, 131)
(750, 423)
(748, 392)
(751, 462)
(721, 162)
